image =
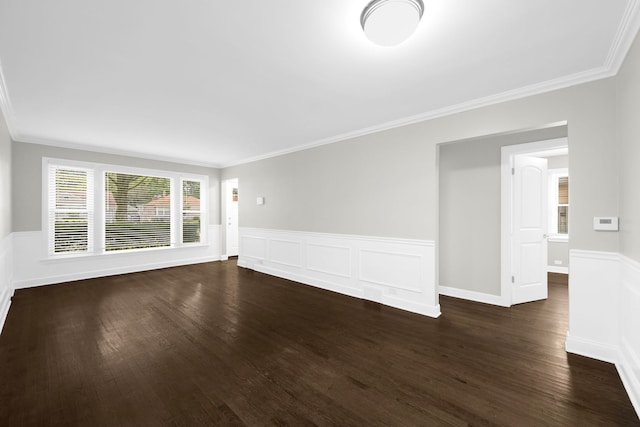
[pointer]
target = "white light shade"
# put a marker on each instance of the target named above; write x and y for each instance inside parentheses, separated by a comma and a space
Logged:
(390, 22)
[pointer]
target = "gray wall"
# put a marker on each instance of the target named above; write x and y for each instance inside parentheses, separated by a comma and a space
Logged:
(469, 209)
(628, 108)
(27, 179)
(558, 162)
(558, 251)
(375, 185)
(5, 179)
(385, 184)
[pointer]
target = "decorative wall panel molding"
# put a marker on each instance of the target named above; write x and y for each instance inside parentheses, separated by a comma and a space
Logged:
(604, 313)
(31, 267)
(395, 272)
(6, 277)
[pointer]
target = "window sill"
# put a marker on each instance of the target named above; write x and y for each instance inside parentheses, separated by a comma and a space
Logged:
(558, 239)
(79, 256)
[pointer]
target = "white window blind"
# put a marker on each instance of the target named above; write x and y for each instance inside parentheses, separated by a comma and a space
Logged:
(70, 200)
(191, 213)
(137, 211)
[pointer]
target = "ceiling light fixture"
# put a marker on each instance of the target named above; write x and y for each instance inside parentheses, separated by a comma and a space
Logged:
(390, 22)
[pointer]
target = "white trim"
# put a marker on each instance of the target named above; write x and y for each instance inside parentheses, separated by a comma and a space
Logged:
(506, 200)
(395, 272)
(557, 269)
(96, 205)
(604, 313)
(6, 277)
(472, 296)
(31, 270)
(416, 242)
(28, 139)
(91, 274)
(6, 106)
(227, 185)
(593, 349)
(630, 377)
(512, 95)
(597, 255)
(624, 38)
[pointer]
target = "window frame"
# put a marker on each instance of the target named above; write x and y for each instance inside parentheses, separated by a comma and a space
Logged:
(50, 207)
(554, 178)
(98, 220)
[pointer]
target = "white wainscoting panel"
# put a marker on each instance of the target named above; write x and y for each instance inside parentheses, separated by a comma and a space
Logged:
(31, 267)
(604, 313)
(254, 247)
(286, 252)
(395, 272)
(593, 304)
(6, 277)
(329, 259)
(629, 315)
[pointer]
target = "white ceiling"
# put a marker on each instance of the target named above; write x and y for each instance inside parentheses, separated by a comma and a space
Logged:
(221, 82)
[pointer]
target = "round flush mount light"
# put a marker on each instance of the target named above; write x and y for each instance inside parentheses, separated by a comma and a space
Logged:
(390, 22)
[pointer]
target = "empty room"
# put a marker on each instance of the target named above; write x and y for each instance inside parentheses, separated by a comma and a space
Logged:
(387, 212)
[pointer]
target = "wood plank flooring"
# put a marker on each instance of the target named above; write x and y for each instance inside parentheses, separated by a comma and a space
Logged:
(214, 344)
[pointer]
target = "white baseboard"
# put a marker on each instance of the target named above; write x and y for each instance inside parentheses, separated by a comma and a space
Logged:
(472, 296)
(557, 269)
(32, 268)
(97, 272)
(629, 321)
(6, 277)
(628, 369)
(394, 272)
(593, 349)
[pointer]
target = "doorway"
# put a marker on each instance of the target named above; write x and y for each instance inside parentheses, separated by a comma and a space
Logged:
(526, 215)
(231, 227)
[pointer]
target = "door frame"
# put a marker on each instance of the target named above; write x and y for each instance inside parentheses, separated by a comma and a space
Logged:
(508, 153)
(225, 212)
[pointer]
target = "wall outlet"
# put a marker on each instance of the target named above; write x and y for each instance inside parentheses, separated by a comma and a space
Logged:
(557, 262)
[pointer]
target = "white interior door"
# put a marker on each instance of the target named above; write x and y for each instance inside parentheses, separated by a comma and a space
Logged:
(529, 237)
(231, 216)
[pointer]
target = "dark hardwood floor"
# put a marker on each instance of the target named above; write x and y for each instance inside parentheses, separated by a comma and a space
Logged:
(213, 344)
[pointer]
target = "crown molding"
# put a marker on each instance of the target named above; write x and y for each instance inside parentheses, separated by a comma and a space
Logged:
(512, 95)
(5, 106)
(106, 150)
(629, 26)
(625, 35)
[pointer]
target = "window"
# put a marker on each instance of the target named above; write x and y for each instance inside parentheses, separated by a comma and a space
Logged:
(133, 209)
(563, 205)
(190, 211)
(70, 209)
(138, 209)
(559, 202)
